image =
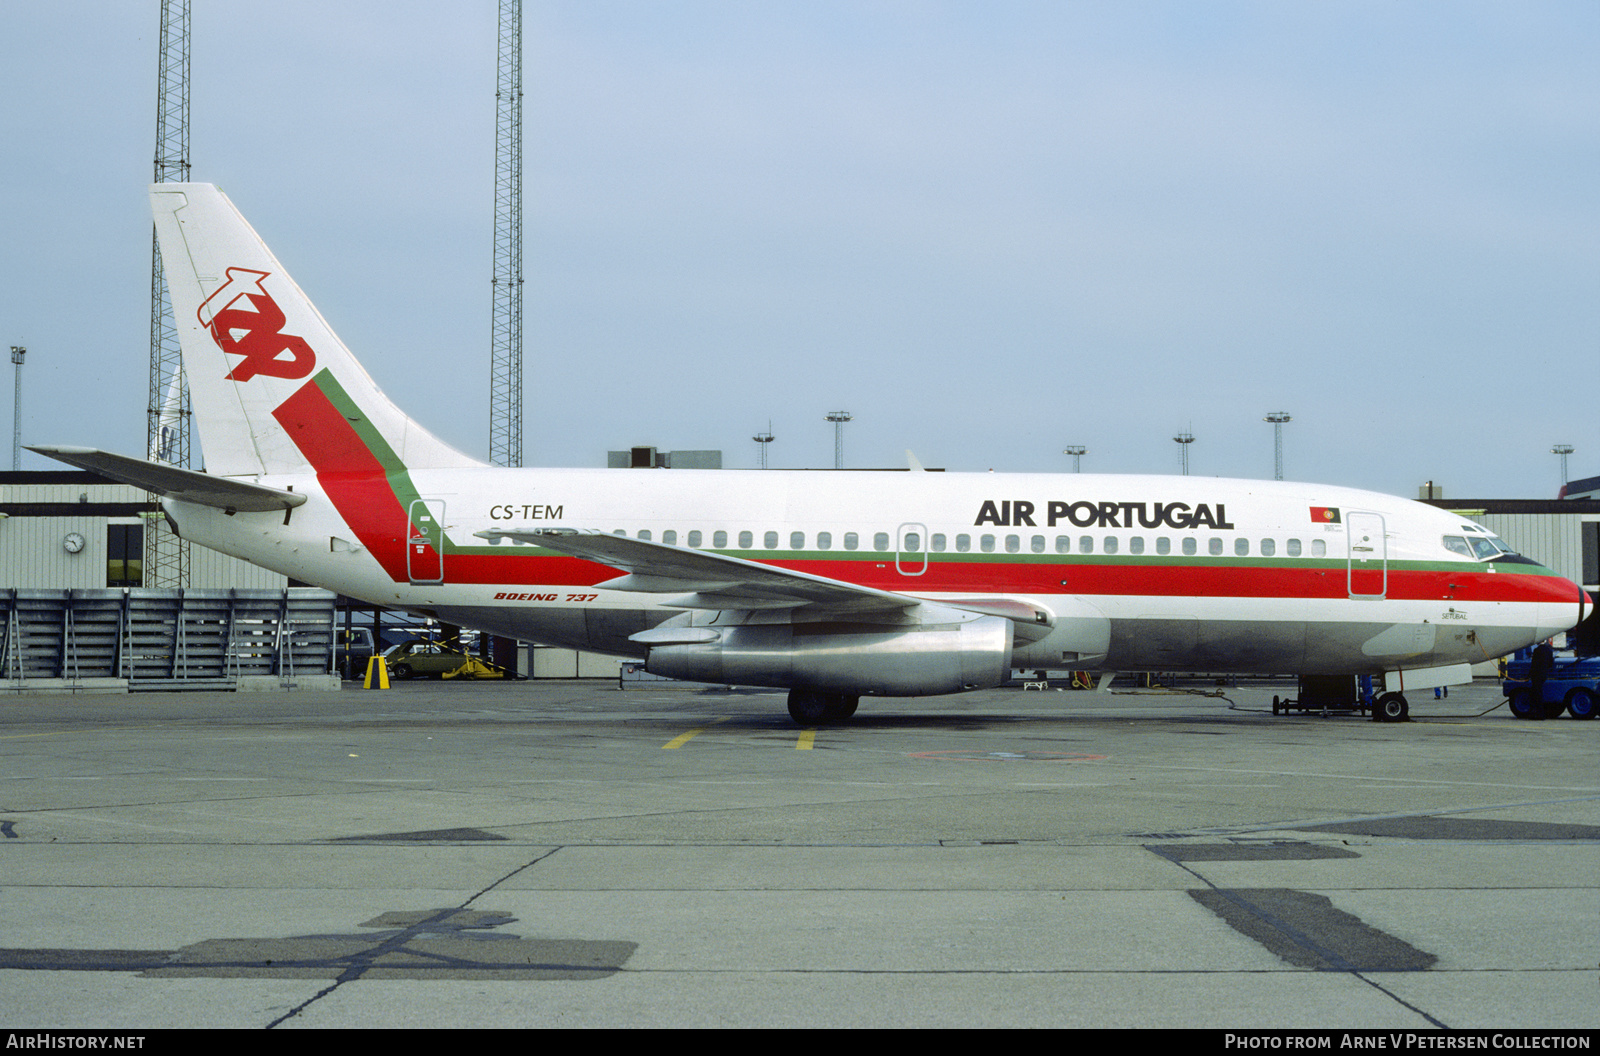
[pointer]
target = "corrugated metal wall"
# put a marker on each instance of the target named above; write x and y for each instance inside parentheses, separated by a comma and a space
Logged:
(33, 554)
(1553, 540)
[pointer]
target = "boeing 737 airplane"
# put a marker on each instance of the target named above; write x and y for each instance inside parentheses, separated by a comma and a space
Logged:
(833, 585)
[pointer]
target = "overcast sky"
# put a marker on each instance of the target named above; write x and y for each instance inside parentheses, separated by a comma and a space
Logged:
(988, 229)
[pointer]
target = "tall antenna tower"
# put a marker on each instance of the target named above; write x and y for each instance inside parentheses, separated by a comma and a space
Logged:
(166, 557)
(505, 354)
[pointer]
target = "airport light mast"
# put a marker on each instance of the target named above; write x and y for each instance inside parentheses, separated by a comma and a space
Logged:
(838, 418)
(1277, 418)
(762, 440)
(166, 556)
(1077, 451)
(1184, 439)
(17, 353)
(1560, 449)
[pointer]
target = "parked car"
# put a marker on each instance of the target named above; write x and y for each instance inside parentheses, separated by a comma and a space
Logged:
(419, 656)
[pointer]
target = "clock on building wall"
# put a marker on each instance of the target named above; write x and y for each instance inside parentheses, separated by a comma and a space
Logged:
(73, 542)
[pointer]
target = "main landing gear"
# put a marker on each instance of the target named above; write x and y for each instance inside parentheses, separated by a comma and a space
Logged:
(813, 707)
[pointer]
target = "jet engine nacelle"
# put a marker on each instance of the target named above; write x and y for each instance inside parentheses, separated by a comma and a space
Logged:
(850, 658)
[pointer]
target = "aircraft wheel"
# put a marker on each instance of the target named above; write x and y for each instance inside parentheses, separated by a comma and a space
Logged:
(401, 671)
(1391, 707)
(809, 707)
(1521, 703)
(1581, 702)
(812, 707)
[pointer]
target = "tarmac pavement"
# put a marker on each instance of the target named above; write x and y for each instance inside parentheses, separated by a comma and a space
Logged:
(572, 854)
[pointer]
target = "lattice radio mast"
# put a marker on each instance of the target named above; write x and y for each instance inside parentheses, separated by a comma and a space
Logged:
(505, 355)
(166, 557)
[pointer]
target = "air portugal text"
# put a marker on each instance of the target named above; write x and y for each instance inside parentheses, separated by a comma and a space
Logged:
(1015, 513)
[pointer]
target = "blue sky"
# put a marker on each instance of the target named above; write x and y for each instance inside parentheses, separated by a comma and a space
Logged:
(989, 230)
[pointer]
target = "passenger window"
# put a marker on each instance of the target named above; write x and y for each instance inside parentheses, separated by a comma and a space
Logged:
(1269, 547)
(938, 542)
(746, 540)
(851, 540)
(880, 541)
(1190, 548)
(670, 538)
(770, 540)
(1163, 545)
(1063, 544)
(1319, 548)
(986, 544)
(797, 540)
(1241, 547)
(1214, 547)
(1111, 544)
(963, 544)
(913, 543)
(645, 534)
(1085, 544)
(1013, 544)
(824, 540)
(1136, 545)
(619, 531)
(719, 540)
(1293, 547)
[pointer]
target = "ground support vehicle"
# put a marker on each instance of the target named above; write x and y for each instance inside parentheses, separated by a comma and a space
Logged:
(1573, 686)
(1343, 693)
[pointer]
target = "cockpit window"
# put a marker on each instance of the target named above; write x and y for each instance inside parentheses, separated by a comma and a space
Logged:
(1485, 547)
(1482, 548)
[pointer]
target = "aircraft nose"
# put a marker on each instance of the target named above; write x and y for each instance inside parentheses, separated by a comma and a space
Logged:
(1556, 617)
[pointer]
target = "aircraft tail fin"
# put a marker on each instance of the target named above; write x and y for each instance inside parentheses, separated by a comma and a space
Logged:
(274, 390)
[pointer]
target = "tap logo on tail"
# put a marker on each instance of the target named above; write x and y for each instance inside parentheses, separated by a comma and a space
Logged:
(245, 321)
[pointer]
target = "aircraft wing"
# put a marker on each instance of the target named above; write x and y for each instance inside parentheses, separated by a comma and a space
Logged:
(705, 580)
(696, 579)
(175, 483)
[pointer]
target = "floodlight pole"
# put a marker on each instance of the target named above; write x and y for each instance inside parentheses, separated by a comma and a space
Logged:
(1277, 418)
(1560, 449)
(762, 440)
(17, 352)
(1184, 439)
(838, 418)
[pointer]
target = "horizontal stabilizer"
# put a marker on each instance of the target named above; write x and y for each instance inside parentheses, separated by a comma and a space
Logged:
(185, 485)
